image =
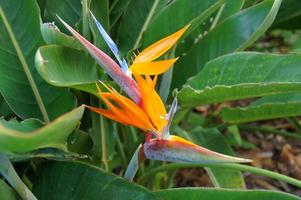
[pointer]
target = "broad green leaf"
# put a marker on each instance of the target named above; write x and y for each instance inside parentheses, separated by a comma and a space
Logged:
(6, 192)
(117, 9)
(66, 67)
(134, 22)
(241, 76)
(29, 135)
(21, 86)
(214, 140)
(225, 194)
(68, 10)
(289, 15)
(270, 107)
(52, 35)
(182, 12)
(82, 181)
(235, 33)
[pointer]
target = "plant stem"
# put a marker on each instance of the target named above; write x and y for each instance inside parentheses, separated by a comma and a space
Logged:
(240, 167)
(25, 67)
(266, 129)
(8, 172)
(103, 144)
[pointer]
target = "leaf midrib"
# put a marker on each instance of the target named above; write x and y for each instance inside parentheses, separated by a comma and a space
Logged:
(25, 66)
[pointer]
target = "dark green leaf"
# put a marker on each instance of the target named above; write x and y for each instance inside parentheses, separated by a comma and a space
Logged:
(78, 181)
(233, 34)
(23, 89)
(241, 76)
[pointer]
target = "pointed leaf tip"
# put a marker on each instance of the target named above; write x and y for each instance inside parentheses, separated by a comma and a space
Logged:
(179, 150)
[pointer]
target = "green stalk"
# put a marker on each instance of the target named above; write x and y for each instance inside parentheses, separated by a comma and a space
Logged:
(103, 144)
(239, 167)
(25, 67)
(8, 172)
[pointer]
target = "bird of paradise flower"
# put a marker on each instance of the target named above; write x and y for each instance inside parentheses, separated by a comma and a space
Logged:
(144, 108)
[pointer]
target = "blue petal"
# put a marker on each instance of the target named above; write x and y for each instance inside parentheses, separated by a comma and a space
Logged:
(111, 44)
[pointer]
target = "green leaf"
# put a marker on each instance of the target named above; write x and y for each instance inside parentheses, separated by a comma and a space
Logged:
(241, 76)
(23, 89)
(6, 192)
(214, 140)
(182, 12)
(66, 67)
(100, 9)
(4, 108)
(289, 15)
(226, 194)
(134, 22)
(231, 7)
(82, 181)
(270, 107)
(52, 35)
(235, 33)
(29, 135)
(68, 10)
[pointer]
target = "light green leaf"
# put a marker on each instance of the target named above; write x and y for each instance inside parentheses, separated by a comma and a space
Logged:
(225, 194)
(66, 67)
(83, 181)
(6, 192)
(214, 140)
(270, 107)
(52, 35)
(235, 33)
(29, 135)
(23, 89)
(241, 76)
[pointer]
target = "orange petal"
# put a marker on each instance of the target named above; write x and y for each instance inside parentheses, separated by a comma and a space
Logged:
(152, 68)
(152, 103)
(159, 48)
(108, 114)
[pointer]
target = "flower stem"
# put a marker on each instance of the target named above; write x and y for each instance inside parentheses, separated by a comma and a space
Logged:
(8, 172)
(240, 167)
